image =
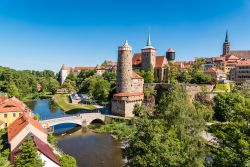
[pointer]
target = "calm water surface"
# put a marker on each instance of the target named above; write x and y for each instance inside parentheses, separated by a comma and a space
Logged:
(90, 149)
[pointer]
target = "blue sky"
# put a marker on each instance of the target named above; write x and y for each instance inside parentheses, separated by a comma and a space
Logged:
(44, 34)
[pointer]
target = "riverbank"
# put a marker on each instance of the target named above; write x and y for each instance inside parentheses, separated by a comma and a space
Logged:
(119, 129)
(62, 100)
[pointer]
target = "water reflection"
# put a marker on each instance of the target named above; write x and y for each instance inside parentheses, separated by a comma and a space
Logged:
(89, 148)
(46, 108)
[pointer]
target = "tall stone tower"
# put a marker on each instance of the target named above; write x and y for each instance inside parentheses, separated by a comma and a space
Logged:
(129, 89)
(148, 56)
(124, 69)
(226, 46)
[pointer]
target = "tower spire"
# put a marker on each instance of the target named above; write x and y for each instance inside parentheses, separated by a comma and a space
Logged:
(148, 41)
(226, 40)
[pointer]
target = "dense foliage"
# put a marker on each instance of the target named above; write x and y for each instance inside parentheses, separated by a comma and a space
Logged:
(28, 156)
(67, 161)
(52, 139)
(233, 136)
(24, 83)
(193, 74)
(98, 87)
(168, 136)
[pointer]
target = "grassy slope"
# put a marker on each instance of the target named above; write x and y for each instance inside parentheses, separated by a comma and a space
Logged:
(62, 101)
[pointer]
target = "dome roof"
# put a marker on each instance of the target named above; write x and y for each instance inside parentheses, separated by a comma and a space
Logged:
(171, 50)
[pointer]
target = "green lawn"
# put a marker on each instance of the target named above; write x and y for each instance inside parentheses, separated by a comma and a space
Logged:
(62, 101)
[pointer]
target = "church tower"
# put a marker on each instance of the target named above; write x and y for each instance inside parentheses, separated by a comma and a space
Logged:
(124, 68)
(148, 56)
(226, 46)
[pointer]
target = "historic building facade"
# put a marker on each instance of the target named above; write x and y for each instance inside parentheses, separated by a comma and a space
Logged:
(241, 54)
(10, 110)
(228, 60)
(65, 71)
(129, 89)
(147, 60)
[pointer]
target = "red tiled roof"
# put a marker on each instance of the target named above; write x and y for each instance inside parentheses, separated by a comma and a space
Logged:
(214, 70)
(136, 76)
(128, 94)
(2, 99)
(12, 105)
(170, 50)
(45, 149)
(160, 61)
(20, 123)
(231, 57)
(218, 58)
(243, 54)
(137, 59)
(245, 62)
(184, 64)
(84, 68)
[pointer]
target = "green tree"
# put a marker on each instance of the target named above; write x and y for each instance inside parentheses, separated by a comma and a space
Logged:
(170, 137)
(184, 77)
(53, 85)
(28, 156)
(36, 116)
(12, 90)
(201, 78)
(98, 88)
(52, 139)
(70, 85)
(227, 104)
(67, 161)
(4, 162)
(148, 76)
(173, 73)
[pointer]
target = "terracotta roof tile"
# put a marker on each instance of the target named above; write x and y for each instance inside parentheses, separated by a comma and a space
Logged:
(136, 76)
(244, 63)
(160, 61)
(12, 105)
(128, 94)
(137, 59)
(243, 54)
(231, 57)
(20, 123)
(170, 50)
(45, 149)
(214, 70)
(84, 68)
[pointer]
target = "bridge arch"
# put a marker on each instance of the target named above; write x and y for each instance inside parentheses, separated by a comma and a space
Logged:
(97, 120)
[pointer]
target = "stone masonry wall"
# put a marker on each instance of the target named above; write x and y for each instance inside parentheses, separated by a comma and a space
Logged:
(192, 89)
(124, 71)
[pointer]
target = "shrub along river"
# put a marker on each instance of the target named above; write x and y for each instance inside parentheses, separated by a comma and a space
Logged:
(89, 148)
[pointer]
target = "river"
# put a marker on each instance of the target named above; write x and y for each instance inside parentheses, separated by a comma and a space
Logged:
(90, 149)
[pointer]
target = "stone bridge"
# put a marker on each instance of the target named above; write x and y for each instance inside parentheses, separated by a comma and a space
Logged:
(80, 119)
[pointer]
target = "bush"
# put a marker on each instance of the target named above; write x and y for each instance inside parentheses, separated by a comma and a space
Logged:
(67, 161)
(52, 139)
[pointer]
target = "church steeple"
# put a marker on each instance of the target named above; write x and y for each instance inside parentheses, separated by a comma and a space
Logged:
(148, 41)
(226, 45)
(226, 40)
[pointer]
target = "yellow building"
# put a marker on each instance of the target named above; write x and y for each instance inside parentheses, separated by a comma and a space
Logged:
(10, 110)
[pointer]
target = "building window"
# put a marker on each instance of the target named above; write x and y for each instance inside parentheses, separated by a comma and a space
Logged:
(5, 115)
(14, 114)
